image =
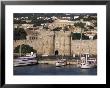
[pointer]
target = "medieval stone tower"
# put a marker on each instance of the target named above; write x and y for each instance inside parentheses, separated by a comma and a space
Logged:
(46, 43)
(63, 42)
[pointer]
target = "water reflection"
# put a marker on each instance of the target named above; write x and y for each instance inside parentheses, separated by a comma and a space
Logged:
(45, 69)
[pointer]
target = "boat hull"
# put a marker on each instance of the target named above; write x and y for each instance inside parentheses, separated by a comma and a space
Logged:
(58, 64)
(88, 66)
(85, 66)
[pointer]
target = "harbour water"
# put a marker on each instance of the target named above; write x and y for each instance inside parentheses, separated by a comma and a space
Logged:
(47, 69)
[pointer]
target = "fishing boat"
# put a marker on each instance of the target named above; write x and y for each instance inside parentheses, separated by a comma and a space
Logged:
(86, 61)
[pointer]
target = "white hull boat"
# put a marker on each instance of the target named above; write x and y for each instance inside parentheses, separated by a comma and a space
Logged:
(86, 66)
(61, 62)
(87, 63)
(25, 60)
(58, 64)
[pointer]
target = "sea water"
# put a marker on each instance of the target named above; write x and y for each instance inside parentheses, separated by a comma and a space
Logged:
(47, 69)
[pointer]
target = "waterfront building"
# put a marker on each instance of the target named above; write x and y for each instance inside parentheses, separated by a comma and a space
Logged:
(60, 23)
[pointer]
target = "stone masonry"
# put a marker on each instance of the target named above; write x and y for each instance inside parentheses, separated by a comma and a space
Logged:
(48, 42)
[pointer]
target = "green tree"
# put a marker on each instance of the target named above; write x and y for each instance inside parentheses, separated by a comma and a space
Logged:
(24, 49)
(80, 24)
(95, 24)
(57, 29)
(95, 37)
(90, 27)
(66, 29)
(19, 34)
(90, 18)
(77, 36)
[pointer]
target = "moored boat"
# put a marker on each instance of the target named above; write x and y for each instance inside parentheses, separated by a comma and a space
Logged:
(61, 62)
(26, 60)
(86, 62)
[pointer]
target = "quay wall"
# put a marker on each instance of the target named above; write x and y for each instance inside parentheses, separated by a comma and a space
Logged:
(54, 61)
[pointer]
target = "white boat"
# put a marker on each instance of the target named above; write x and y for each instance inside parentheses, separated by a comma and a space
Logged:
(86, 62)
(32, 55)
(25, 60)
(61, 62)
(64, 62)
(58, 64)
(21, 63)
(83, 65)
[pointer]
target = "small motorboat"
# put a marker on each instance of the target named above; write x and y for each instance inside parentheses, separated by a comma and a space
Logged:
(58, 64)
(61, 62)
(86, 62)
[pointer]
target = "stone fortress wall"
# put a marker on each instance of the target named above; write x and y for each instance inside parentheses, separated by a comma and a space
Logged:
(47, 42)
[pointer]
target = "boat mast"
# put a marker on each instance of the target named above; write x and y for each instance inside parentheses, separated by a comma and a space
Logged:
(81, 43)
(20, 50)
(86, 58)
